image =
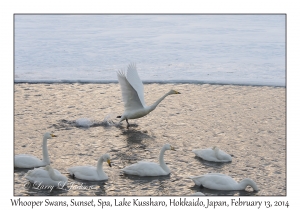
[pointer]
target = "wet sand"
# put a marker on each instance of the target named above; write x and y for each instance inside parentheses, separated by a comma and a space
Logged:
(248, 122)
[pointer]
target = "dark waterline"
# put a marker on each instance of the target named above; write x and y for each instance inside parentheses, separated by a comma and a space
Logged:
(269, 84)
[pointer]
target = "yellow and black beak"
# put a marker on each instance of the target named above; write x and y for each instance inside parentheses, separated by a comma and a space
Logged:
(108, 161)
(173, 148)
(178, 92)
(52, 135)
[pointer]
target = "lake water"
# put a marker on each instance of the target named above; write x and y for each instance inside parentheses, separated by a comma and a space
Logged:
(247, 122)
(225, 49)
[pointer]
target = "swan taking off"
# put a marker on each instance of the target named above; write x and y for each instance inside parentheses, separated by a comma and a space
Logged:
(216, 181)
(91, 173)
(213, 154)
(29, 161)
(133, 95)
(143, 168)
(46, 176)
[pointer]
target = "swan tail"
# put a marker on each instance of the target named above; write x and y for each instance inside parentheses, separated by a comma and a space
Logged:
(71, 172)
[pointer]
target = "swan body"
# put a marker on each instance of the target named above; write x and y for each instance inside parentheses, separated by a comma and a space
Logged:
(213, 154)
(144, 168)
(198, 194)
(91, 173)
(133, 95)
(216, 181)
(30, 161)
(46, 176)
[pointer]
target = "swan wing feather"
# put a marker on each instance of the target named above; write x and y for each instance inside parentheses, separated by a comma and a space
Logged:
(225, 157)
(27, 161)
(41, 176)
(143, 168)
(215, 181)
(37, 172)
(210, 155)
(129, 95)
(84, 172)
(206, 154)
(135, 81)
(132, 91)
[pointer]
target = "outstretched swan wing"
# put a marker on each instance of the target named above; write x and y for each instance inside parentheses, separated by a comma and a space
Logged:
(132, 88)
(135, 81)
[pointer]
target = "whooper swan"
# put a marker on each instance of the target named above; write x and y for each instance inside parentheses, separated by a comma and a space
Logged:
(216, 181)
(213, 154)
(133, 95)
(29, 161)
(144, 168)
(91, 173)
(47, 176)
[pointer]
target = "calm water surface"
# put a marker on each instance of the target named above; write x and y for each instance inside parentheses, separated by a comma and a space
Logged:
(226, 49)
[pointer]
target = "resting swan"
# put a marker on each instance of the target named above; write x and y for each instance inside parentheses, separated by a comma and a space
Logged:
(143, 168)
(213, 154)
(46, 176)
(29, 161)
(198, 193)
(91, 173)
(216, 181)
(133, 95)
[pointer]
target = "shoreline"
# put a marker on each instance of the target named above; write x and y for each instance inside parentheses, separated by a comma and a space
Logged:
(196, 82)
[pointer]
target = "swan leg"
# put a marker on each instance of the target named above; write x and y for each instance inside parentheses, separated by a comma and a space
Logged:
(127, 123)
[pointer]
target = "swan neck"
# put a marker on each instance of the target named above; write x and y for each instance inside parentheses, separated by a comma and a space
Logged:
(161, 160)
(245, 182)
(217, 153)
(45, 151)
(154, 105)
(53, 175)
(100, 165)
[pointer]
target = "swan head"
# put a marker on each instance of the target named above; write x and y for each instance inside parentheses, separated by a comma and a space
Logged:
(168, 147)
(106, 158)
(174, 92)
(49, 135)
(249, 182)
(215, 148)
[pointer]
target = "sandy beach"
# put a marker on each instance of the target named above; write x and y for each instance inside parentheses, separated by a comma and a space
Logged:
(248, 122)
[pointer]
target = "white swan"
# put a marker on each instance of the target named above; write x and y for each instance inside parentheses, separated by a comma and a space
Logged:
(143, 168)
(46, 176)
(198, 194)
(213, 154)
(133, 95)
(29, 161)
(216, 181)
(91, 173)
